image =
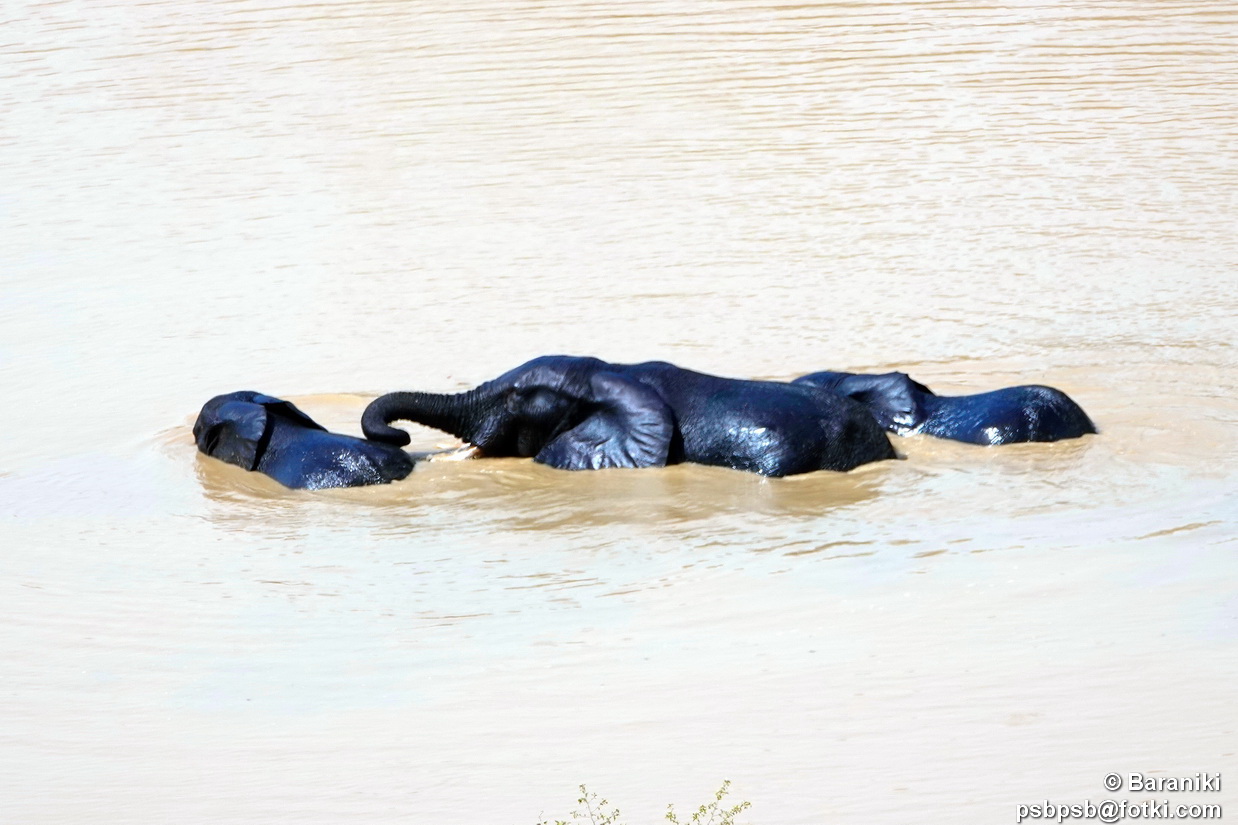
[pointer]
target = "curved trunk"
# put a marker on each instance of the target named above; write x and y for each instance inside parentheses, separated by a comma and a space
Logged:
(457, 414)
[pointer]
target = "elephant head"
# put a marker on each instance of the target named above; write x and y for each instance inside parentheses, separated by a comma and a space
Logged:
(567, 412)
(237, 427)
(264, 434)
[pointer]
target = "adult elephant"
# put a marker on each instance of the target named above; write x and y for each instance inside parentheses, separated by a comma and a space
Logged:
(1014, 414)
(268, 435)
(579, 413)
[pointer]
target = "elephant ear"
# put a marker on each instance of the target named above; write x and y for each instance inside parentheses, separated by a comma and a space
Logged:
(892, 398)
(626, 424)
(236, 428)
(235, 432)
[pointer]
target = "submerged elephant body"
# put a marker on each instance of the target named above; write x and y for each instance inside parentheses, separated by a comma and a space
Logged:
(1006, 416)
(582, 413)
(270, 436)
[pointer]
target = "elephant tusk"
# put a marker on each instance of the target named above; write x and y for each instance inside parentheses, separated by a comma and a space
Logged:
(458, 454)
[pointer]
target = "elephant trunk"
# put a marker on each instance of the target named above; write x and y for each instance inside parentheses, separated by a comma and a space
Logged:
(457, 414)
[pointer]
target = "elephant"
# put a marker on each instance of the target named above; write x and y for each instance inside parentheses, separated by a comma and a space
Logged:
(1007, 416)
(271, 436)
(581, 413)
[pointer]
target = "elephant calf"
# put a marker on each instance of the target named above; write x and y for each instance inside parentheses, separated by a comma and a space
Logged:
(270, 436)
(579, 413)
(1007, 416)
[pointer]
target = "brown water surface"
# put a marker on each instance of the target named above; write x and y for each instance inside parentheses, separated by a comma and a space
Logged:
(329, 201)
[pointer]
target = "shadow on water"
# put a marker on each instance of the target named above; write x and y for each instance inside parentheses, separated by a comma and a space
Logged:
(517, 494)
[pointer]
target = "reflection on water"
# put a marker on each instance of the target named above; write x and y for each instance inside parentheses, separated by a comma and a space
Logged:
(329, 201)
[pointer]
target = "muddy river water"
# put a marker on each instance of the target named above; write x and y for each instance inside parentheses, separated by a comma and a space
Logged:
(327, 201)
